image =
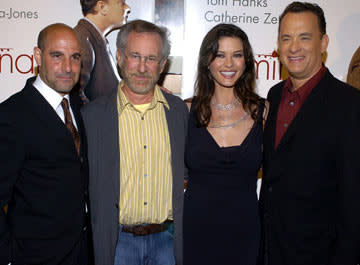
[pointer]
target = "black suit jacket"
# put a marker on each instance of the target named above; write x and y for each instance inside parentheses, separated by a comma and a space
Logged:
(42, 179)
(309, 197)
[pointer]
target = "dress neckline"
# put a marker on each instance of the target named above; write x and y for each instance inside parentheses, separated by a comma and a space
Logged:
(230, 146)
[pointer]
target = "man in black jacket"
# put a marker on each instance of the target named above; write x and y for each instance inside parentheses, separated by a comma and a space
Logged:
(310, 191)
(43, 173)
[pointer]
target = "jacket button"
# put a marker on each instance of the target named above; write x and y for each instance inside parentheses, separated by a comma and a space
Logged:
(270, 189)
(81, 159)
(117, 205)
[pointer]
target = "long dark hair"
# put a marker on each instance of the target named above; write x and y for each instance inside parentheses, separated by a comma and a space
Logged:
(244, 88)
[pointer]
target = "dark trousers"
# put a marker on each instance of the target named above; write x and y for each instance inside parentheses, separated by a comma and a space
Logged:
(53, 252)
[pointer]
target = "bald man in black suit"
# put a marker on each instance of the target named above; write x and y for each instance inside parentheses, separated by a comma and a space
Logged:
(43, 169)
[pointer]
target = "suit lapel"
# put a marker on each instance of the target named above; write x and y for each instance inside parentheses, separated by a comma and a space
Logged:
(75, 103)
(171, 121)
(270, 126)
(75, 106)
(109, 139)
(275, 159)
(304, 112)
(172, 118)
(42, 110)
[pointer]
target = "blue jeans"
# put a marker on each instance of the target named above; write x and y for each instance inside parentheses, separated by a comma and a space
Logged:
(154, 249)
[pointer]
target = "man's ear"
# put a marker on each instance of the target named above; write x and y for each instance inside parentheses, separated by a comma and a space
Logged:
(37, 55)
(162, 65)
(101, 7)
(324, 43)
(118, 57)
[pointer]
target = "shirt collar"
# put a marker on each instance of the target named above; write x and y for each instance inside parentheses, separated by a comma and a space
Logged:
(309, 85)
(124, 102)
(96, 27)
(51, 96)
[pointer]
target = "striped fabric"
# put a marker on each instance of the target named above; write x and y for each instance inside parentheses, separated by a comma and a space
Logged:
(145, 162)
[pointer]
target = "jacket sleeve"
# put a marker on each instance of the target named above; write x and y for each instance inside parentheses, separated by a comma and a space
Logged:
(11, 156)
(347, 249)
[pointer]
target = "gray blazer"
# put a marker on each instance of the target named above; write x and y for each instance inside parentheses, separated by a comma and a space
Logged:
(101, 124)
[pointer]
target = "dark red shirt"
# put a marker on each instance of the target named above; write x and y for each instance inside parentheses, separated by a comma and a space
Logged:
(291, 102)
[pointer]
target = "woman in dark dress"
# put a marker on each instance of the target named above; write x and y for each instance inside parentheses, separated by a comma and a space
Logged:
(223, 153)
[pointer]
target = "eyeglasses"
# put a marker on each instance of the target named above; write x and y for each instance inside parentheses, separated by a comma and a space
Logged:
(137, 58)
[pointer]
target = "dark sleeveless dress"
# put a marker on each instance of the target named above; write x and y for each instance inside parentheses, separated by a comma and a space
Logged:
(221, 220)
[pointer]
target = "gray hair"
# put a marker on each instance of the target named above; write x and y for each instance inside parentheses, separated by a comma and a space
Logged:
(141, 26)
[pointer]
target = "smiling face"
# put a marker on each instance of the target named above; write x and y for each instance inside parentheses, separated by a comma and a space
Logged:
(229, 62)
(141, 63)
(301, 46)
(59, 60)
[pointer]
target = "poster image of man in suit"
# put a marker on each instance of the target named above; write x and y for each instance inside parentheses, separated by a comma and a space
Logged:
(99, 73)
(43, 173)
(310, 189)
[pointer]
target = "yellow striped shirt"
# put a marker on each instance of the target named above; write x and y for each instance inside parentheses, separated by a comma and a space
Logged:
(145, 162)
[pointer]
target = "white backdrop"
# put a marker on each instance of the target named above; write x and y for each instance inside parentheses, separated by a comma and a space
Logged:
(261, 25)
(20, 22)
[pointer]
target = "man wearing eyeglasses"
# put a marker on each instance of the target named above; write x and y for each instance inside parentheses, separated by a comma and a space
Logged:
(136, 138)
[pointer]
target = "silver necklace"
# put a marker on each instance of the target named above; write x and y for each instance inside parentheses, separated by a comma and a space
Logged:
(225, 107)
(230, 125)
